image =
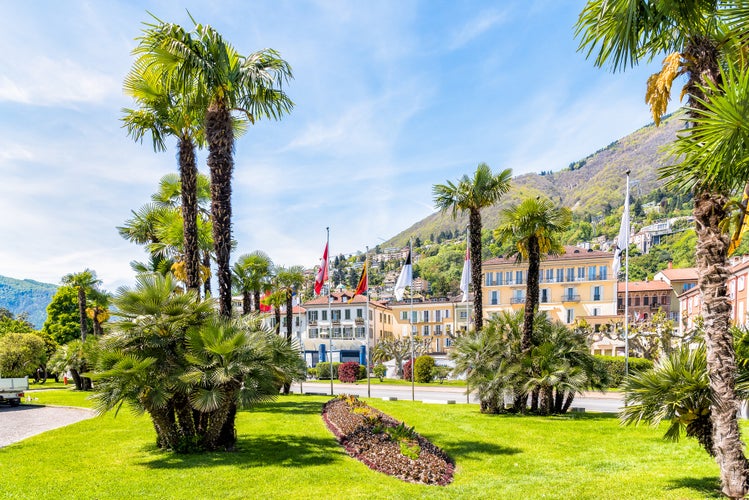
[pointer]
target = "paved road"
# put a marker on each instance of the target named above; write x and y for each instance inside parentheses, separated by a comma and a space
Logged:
(591, 401)
(24, 421)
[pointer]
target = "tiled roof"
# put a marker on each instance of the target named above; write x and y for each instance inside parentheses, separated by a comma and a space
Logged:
(645, 286)
(339, 298)
(683, 274)
(570, 253)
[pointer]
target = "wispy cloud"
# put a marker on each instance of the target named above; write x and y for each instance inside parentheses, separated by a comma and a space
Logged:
(477, 26)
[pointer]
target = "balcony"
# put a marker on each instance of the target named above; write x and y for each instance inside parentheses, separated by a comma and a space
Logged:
(569, 297)
(517, 300)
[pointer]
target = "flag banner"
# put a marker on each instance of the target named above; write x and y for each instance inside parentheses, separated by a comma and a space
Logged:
(264, 305)
(622, 240)
(322, 273)
(361, 288)
(404, 279)
(465, 278)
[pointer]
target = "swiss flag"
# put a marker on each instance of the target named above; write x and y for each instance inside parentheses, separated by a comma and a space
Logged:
(322, 273)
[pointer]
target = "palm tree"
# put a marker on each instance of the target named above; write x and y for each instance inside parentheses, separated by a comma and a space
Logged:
(162, 113)
(471, 195)
(251, 273)
(289, 280)
(533, 226)
(83, 283)
(694, 37)
(224, 81)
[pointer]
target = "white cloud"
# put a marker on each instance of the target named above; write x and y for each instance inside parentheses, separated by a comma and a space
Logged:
(476, 27)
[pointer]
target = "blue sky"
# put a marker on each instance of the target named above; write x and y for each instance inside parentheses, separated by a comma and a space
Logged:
(391, 97)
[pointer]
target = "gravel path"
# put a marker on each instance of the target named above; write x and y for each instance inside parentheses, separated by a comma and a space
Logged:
(25, 421)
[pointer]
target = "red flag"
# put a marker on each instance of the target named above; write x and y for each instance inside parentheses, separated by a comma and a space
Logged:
(361, 288)
(264, 306)
(322, 273)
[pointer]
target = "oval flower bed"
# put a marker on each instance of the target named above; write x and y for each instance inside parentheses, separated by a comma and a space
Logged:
(384, 444)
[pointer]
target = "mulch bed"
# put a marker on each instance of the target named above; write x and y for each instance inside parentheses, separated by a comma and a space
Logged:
(359, 428)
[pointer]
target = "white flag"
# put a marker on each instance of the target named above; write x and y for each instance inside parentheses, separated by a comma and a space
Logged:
(622, 240)
(404, 279)
(465, 278)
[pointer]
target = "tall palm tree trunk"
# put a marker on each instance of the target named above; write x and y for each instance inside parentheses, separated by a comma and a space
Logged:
(474, 224)
(531, 298)
(220, 138)
(207, 265)
(289, 316)
(256, 297)
(188, 171)
(82, 312)
(712, 268)
(246, 302)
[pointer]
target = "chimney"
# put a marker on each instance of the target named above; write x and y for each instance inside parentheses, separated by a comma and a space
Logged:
(670, 264)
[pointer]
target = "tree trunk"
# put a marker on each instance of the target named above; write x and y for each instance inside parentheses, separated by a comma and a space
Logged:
(289, 316)
(256, 296)
(531, 297)
(207, 265)
(474, 225)
(246, 302)
(558, 401)
(77, 380)
(277, 314)
(534, 400)
(82, 312)
(220, 138)
(568, 402)
(712, 270)
(188, 172)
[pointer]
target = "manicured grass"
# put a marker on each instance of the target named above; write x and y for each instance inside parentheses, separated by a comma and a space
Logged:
(49, 384)
(395, 381)
(285, 451)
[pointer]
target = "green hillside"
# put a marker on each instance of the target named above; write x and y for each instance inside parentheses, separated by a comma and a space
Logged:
(591, 185)
(26, 296)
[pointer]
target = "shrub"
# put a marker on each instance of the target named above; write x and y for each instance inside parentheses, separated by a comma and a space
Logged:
(323, 370)
(312, 372)
(380, 371)
(440, 372)
(362, 372)
(348, 372)
(423, 369)
(615, 367)
(407, 370)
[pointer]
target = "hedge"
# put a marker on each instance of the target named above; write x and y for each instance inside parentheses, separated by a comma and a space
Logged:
(615, 367)
(423, 372)
(323, 370)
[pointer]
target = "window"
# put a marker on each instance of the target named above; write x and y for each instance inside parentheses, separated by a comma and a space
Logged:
(596, 311)
(426, 316)
(488, 279)
(550, 275)
(335, 315)
(359, 332)
(312, 315)
(447, 313)
(313, 333)
(597, 292)
(404, 315)
(508, 277)
(448, 342)
(425, 330)
(591, 273)
(602, 270)
(463, 315)
(570, 293)
(438, 315)
(337, 332)
(544, 297)
(499, 277)
(438, 345)
(324, 315)
(518, 277)
(580, 274)
(494, 298)
(637, 301)
(348, 332)
(438, 329)
(570, 274)
(560, 275)
(347, 314)
(570, 316)
(414, 317)
(646, 301)
(741, 283)
(360, 313)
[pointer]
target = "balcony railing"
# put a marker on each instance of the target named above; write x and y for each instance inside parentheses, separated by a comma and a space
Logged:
(569, 297)
(517, 300)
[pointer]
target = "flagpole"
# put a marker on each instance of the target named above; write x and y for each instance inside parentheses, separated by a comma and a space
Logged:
(330, 313)
(626, 287)
(411, 285)
(366, 324)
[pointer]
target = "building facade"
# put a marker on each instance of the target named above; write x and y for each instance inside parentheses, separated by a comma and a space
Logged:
(575, 285)
(438, 319)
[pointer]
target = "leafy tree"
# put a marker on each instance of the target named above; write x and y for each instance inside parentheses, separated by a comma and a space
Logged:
(696, 39)
(63, 322)
(21, 354)
(76, 357)
(534, 227)
(471, 195)
(399, 349)
(12, 324)
(289, 280)
(223, 80)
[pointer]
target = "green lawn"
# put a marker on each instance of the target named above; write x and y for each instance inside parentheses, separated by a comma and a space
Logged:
(285, 451)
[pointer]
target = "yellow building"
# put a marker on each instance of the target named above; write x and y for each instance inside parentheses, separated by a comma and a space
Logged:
(575, 285)
(437, 319)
